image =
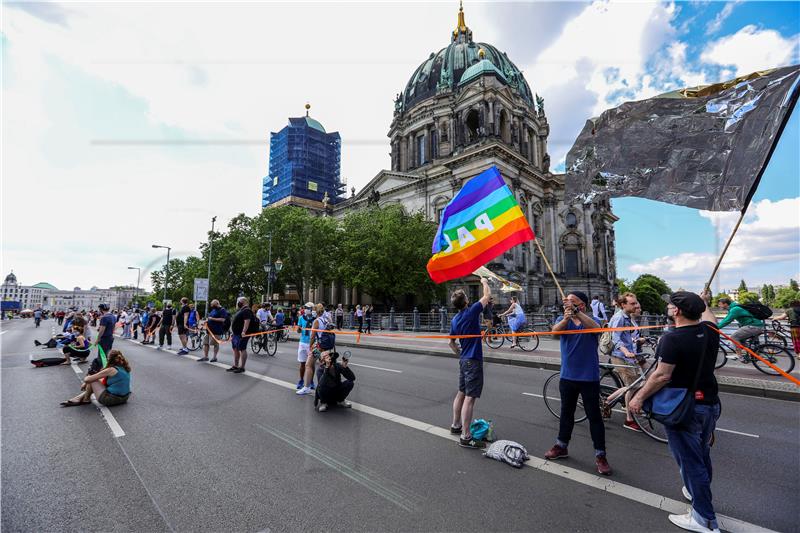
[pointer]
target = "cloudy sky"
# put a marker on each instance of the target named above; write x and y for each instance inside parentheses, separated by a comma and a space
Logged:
(128, 124)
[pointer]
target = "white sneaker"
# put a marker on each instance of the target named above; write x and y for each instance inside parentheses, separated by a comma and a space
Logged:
(322, 407)
(686, 494)
(303, 391)
(687, 522)
(345, 403)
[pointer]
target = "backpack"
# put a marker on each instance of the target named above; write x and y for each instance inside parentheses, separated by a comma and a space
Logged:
(606, 344)
(253, 327)
(759, 311)
(509, 452)
(482, 429)
(327, 339)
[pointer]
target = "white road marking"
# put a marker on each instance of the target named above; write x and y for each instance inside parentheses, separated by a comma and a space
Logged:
(3, 332)
(622, 411)
(738, 433)
(377, 368)
(116, 429)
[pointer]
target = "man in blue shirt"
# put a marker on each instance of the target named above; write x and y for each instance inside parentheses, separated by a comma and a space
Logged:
(105, 336)
(470, 361)
(580, 375)
(216, 327)
(624, 350)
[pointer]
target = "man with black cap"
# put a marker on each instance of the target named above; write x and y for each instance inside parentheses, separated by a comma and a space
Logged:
(685, 355)
(580, 376)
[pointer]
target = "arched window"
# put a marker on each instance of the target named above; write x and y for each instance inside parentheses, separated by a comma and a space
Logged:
(505, 127)
(571, 220)
(473, 122)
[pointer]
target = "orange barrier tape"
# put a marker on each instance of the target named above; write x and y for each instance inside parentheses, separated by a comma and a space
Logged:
(752, 353)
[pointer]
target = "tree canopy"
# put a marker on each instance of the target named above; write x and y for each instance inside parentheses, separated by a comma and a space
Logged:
(648, 289)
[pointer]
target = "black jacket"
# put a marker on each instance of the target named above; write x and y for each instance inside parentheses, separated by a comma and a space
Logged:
(331, 378)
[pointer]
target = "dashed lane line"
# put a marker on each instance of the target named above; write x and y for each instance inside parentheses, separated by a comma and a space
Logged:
(734, 525)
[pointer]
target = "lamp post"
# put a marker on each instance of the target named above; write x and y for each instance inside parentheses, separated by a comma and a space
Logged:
(268, 270)
(210, 243)
(166, 274)
(138, 276)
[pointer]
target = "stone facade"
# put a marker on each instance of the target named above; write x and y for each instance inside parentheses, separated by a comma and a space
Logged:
(465, 109)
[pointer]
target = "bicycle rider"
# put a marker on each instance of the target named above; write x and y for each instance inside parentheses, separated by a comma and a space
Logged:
(749, 326)
(625, 350)
(516, 319)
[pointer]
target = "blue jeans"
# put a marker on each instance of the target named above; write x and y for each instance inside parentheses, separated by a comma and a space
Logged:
(692, 450)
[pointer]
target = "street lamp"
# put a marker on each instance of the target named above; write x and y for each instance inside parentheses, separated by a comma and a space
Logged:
(210, 243)
(138, 276)
(166, 275)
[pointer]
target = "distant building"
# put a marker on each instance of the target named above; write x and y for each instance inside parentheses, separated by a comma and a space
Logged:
(49, 297)
(304, 166)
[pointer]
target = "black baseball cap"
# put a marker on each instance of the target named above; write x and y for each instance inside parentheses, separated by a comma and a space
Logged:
(581, 296)
(103, 307)
(690, 304)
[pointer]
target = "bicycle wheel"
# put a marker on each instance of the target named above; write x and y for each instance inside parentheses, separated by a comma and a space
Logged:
(257, 343)
(609, 384)
(775, 354)
(722, 357)
(775, 337)
(528, 344)
(491, 338)
(552, 399)
(651, 427)
(195, 341)
(271, 344)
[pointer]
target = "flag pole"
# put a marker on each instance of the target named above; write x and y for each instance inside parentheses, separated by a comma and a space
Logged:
(549, 269)
(727, 244)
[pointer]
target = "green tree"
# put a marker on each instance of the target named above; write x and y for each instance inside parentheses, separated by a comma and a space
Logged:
(622, 285)
(648, 289)
(747, 297)
(784, 296)
(768, 294)
(742, 286)
(384, 251)
(793, 285)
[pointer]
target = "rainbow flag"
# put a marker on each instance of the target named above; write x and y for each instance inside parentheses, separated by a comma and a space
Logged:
(481, 222)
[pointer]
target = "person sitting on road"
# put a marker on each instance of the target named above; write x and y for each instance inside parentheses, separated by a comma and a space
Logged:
(516, 319)
(331, 390)
(78, 348)
(749, 326)
(117, 389)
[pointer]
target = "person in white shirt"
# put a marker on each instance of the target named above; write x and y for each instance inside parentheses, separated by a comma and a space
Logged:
(264, 314)
(599, 310)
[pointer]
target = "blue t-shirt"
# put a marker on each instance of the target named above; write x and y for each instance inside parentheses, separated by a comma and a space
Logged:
(468, 322)
(217, 327)
(579, 358)
(279, 318)
(305, 335)
(110, 322)
(120, 383)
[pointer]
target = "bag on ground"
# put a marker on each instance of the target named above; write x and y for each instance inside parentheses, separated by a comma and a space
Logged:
(507, 451)
(482, 429)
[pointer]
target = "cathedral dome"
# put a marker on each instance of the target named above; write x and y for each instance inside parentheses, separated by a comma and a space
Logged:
(445, 70)
(11, 279)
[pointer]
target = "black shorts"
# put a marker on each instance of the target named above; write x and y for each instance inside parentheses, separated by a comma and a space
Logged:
(182, 330)
(470, 377)
(106, 343)
(238, 342)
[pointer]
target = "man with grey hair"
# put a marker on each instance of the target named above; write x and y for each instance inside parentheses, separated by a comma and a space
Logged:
(241, 326)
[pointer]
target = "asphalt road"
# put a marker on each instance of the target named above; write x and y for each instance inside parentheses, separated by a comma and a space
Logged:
(205, 450)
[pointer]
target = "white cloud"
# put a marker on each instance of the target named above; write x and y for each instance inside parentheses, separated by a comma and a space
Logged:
(715, 25)
(599, 60)
(751, 49)
(766, 249)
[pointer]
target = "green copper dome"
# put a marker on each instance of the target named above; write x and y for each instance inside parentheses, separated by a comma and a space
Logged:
(446, 69)
(315, 124)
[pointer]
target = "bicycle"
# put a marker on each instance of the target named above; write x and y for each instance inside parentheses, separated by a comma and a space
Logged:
(494, 337)
(265, 341)
(778, 335)
(196, 339)
(610, 383)
(774, 353)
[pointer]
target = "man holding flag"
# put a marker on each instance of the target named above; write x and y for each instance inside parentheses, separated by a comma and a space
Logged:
(470, 361)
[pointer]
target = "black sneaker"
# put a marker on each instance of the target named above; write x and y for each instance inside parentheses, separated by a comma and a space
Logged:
(202, 359)
(455, 430)
(232, 369)
(213, 360)
(471, 443)
(239, 370)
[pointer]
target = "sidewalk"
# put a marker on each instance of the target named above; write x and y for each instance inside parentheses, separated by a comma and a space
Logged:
(734, 377)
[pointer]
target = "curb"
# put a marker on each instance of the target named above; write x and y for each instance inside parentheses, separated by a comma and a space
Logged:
(734, 385)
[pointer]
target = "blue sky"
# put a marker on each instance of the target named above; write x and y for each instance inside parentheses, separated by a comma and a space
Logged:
(79, 80)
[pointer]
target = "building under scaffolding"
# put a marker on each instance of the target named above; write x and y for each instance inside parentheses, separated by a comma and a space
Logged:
(304, 166)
